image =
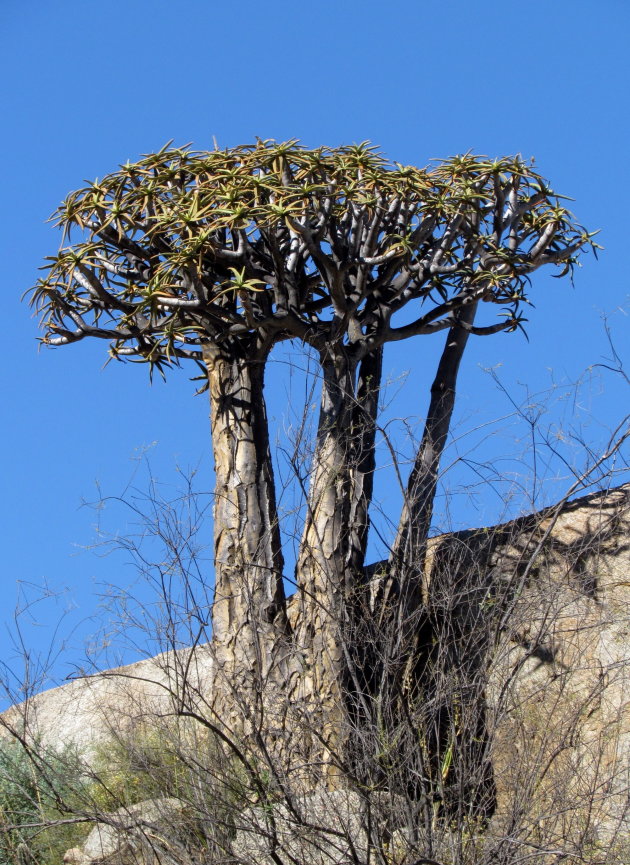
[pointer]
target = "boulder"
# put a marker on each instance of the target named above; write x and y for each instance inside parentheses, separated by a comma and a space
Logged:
(148, 833)
(326, 827)
(94, 709)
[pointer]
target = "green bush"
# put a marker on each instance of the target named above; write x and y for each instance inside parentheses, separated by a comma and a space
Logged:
(179, 759)
(49, 800)
(38, 788)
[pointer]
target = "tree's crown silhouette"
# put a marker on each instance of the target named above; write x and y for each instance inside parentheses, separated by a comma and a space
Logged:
(275, 241)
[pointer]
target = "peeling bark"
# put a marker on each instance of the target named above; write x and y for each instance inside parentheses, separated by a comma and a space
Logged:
(249, 618)
(321, 572)
(330, 567)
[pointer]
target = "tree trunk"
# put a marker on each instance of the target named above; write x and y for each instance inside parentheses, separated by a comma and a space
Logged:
(321, 570)
(432, 646)
(250, 627)
(330, 567)
(409, 549)
(363, 460)
(402, 632)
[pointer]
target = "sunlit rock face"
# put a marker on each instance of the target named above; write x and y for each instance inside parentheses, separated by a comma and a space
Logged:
(91, 710)
(559, 687)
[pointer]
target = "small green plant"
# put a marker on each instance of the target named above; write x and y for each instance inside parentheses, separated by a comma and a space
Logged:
(50, 800)
(178, 759)
(38, 790)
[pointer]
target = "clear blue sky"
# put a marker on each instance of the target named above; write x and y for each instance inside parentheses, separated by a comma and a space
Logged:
(88, 85)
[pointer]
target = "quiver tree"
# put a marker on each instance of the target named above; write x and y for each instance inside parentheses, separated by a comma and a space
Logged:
(217, 257)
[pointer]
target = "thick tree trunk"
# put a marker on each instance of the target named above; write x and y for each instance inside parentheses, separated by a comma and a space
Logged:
(330, 566)
(250, 627)
(321, 570)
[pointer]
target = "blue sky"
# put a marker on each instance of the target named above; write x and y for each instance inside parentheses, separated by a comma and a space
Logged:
(89, 85)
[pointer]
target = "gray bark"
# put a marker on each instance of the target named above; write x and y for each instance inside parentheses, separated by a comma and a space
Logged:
(330, 568)
(249, 617)
(321, 571)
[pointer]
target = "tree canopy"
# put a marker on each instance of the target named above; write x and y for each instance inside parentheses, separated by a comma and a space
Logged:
(267, 242)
